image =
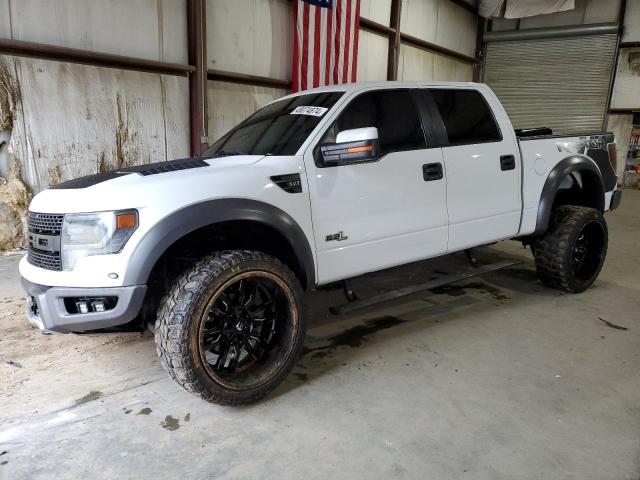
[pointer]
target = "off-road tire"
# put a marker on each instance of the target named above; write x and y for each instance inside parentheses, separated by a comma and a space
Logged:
(554, 249)
(179, 317)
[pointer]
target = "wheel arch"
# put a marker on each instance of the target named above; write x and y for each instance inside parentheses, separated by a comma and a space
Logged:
(589, 179)
(184, 222)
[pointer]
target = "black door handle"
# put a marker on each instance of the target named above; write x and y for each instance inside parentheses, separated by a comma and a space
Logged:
(432, 171)
(507, 162)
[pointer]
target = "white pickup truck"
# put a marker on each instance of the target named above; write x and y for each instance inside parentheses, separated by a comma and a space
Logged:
(316, 187)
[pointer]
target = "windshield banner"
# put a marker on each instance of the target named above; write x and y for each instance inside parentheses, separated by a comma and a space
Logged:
(308, 110)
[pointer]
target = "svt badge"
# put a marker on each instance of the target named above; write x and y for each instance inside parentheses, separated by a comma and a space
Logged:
(340, 236)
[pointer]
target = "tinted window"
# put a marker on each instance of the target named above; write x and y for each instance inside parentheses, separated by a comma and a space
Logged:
(467, 117)
(275, 129)
(392, 112)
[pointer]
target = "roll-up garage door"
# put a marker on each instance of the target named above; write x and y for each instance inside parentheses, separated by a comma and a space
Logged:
(559, 82)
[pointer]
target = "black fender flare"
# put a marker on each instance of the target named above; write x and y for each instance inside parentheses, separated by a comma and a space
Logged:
(574, 163)
(188, 219)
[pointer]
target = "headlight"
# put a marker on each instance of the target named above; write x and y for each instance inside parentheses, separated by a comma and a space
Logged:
(85, 234)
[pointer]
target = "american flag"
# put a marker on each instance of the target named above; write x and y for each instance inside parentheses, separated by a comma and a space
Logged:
(325, 43)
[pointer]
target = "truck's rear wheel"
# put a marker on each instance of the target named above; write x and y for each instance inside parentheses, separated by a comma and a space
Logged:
(570, 255)
(230, 329)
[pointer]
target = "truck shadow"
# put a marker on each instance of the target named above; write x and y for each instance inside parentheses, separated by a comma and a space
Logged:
(335, 342)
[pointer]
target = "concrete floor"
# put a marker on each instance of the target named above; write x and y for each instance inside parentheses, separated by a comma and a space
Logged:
(499, 378)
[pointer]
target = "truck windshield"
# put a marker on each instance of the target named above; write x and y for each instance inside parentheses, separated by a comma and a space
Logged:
(276, 129)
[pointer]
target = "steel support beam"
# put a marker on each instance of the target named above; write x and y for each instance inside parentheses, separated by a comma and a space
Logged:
(197, 45)
(376, 27)
(394, 40)
(612, 80)
(551, 32)
(246, 79)
(432, 47)
(86, 57)
(623, 111)
(479, 65)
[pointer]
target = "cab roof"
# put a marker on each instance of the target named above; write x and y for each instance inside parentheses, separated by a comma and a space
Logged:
(360, 86)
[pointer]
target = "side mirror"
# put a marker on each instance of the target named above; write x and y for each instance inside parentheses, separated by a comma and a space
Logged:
(352, 146)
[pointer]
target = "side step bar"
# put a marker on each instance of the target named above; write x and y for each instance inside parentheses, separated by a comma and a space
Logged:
(438, 282)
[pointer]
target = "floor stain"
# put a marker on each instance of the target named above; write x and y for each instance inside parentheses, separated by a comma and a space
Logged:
(89, 397)
(170, 423)
(302, 376)
(144, 411)
(353, 337)
(459, 290)
(320, 354)
(187, 417)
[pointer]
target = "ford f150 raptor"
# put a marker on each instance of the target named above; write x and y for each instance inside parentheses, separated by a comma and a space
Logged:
(313, 188)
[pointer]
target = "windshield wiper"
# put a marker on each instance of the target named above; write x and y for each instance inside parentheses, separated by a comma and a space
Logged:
(222, 153)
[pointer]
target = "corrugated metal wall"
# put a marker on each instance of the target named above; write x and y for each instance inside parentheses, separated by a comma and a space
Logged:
(561, 83)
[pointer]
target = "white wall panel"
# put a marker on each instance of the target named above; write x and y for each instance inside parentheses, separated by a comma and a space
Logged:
(597, 11)
(448, 69)
(420, 65)
(120, 27)
(376, 10)
(626, 90)
(250, 36)
(173, 22)
(632, 22)
(415, 64)
(419, 18)
(441, 22)
(5, 25)
(175, 99)
(457, 28)
(75, 120)
(230, 103)
(373, 50)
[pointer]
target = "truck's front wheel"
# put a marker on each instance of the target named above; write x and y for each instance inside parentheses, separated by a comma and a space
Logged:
(570, 255)
(230, 329)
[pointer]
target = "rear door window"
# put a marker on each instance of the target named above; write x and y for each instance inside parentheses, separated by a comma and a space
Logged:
(466, 116)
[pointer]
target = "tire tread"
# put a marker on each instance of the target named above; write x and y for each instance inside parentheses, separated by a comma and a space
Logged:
(554, 247)
(174, 316)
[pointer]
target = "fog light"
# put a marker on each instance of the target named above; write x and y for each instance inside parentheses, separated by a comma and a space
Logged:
(98, 306)
(82, 307)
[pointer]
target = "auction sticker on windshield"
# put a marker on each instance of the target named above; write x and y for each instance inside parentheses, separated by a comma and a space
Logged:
(309, 110)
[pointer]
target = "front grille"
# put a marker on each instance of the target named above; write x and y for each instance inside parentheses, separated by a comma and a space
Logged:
(45, 223)
(46, 260)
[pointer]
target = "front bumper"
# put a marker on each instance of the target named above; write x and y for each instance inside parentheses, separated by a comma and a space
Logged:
(46, 307)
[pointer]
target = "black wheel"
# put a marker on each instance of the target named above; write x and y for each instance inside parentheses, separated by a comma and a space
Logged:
(230, 329)
(570, 255)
